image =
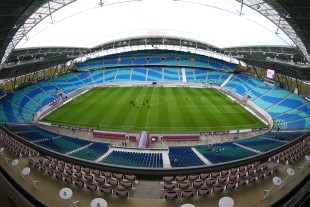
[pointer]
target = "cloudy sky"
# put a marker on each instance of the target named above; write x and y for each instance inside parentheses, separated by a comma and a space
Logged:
(86, 24)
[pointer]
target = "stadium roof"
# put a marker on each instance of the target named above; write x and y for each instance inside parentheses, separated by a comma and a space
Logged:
(19, 17)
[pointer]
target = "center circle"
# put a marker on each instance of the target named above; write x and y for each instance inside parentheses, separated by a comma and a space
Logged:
(151, 99)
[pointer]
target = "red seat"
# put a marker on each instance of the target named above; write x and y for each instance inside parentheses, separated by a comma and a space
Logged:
(204, 175)
(197, 183)
(95, 172)
(91, 186)
(130, 177)
(222, 179)
(68, 179)
(50, 171)
(86, 170)
(77, 168)
(126, 183)
(218, 188)
(242, 168)
(60, 168)
(168, 178)
(61, 162)
(122, 192)
(79, 183)
(184, 184)
(88, 177)
(215, 174)
(261, 175)
(243, 174)
(100, 180)
(231, 185)
(78, 174)
(233, 176)
(251, 171)
(252, 178)
(180, 178)
(106, 189)
(233, 170)
(204, 191)
(112, 181)
(241, 182)
(68, 171)
(118, 175)
(224, 172)
(171, 195)
(210, 181)
(58, 176)
(169, 185)
(69, 165)
(187, 193)
(106, 174)
(193, 177)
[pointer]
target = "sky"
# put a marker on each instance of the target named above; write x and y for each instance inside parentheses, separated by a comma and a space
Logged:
(85, 23)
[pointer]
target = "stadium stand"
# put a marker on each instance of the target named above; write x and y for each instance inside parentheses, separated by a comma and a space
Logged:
(183, 156)
(224, 152)
(154, 74)
(138, 74)
(136, 159)
(171, 74)
(91, 152)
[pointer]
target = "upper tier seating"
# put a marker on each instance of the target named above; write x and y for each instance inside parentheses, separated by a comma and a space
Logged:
(155, 58)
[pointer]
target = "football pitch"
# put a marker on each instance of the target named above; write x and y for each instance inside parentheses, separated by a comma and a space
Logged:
(154, 109)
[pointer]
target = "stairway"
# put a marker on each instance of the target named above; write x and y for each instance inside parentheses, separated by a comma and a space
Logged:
(148, 189)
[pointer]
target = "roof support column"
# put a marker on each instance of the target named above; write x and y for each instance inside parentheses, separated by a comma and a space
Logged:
(241, 7)
(50, 12)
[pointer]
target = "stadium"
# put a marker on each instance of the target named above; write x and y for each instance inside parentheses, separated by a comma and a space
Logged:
(156, 117)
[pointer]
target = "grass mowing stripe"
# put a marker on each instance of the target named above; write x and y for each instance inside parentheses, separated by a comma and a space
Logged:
(198, 105)
(164, 112)
(148, 111)
(183, 108)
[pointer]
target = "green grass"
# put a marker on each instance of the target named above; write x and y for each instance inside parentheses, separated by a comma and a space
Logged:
(172, 110)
